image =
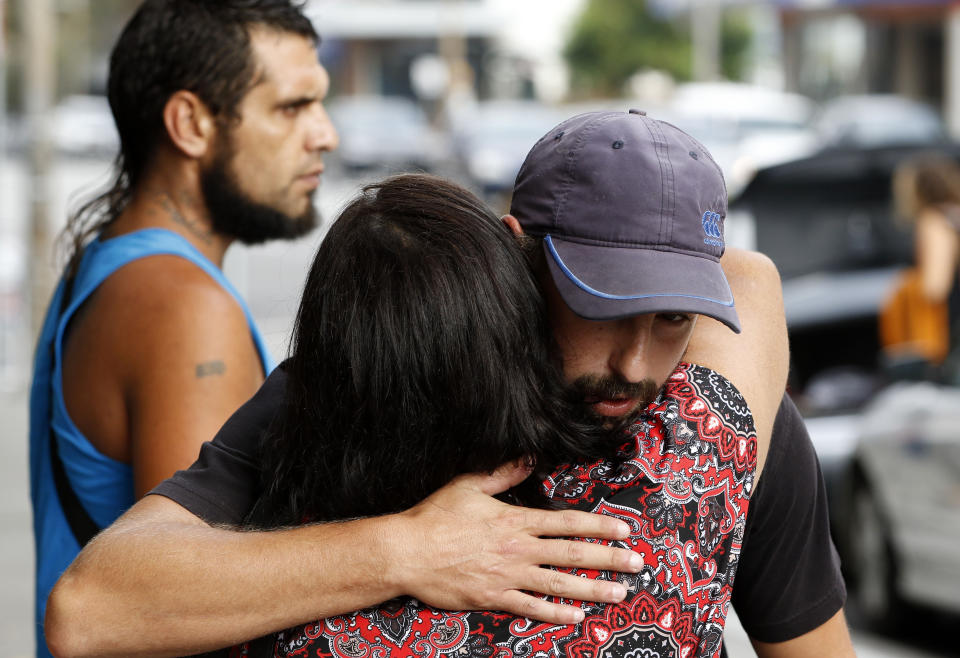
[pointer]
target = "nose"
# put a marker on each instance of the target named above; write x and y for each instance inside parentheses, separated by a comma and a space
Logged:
(628, 353)
(321, 134)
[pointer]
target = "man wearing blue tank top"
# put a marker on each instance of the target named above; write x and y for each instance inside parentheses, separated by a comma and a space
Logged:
(147, 349)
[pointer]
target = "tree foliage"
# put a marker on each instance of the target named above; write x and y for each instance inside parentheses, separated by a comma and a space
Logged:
(613, 39)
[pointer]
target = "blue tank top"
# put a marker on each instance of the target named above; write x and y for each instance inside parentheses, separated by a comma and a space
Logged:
(103, 485)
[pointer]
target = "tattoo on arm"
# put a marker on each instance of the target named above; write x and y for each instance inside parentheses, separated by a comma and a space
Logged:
(210, 369)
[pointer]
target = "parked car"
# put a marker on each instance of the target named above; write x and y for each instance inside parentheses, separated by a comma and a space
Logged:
(493, 139)
(745, 127)
(871, 120)
(384, 132)
(899, 519)
(890, 450)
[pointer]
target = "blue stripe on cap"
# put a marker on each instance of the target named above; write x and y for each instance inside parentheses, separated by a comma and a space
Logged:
(604, 295)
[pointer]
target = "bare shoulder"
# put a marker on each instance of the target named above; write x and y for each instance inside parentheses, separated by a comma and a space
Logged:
(159, 347)
(755, 360)
(935, 231)
(171, 287)
(758, 296)
(753, 276)
(158, 306)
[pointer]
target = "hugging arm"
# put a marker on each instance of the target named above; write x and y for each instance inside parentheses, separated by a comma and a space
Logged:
(755, 360)
(831, 638)
(190, 584)
(189, 587)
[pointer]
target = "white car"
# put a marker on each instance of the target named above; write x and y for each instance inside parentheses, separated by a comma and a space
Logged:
(900, 527)
(745, 127)
(871, 120)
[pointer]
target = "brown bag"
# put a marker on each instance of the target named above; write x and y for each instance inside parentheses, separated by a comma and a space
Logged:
(912, 325)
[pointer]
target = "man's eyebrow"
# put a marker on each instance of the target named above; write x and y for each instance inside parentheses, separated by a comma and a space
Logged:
(298, 101)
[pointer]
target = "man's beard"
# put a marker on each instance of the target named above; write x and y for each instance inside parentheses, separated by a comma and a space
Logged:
(234, 214)
(593, 388)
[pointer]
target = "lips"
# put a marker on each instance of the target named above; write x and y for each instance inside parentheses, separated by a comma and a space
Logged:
(311, 180)
(613, 396)
(312, 177)
(612, 407)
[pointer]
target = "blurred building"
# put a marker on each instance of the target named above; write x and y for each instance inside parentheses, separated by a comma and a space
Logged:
(905, 47)
(414, 48)
(426, 49)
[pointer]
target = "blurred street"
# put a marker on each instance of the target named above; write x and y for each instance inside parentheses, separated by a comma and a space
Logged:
(16, 540)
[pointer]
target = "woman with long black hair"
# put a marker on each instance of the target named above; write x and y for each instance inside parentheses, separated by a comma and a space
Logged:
(420, 353)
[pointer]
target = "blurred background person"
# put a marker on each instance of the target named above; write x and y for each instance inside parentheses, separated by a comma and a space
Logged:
(922, 319)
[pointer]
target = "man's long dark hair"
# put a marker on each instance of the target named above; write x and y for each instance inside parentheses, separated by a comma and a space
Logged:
(201, 46)
(420, 353)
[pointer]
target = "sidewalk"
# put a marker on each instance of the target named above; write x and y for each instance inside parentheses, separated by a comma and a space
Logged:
(16, 540)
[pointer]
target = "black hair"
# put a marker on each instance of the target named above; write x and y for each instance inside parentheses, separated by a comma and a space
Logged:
(202, 46)
(420, 352)
(933, 180)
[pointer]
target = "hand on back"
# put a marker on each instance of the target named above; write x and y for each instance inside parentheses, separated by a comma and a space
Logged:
(461, 549)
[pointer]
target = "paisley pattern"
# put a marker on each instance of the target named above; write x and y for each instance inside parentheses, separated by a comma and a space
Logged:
(684, 494)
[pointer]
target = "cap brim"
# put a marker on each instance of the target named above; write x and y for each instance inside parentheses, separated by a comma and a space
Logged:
(609, 283)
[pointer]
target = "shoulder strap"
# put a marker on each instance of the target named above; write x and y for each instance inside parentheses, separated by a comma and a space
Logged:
(81, 525)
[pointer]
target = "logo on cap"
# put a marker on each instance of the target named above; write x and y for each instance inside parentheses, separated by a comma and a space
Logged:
(711, 226)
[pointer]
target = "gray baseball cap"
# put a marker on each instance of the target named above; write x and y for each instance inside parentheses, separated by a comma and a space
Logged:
(631, 211)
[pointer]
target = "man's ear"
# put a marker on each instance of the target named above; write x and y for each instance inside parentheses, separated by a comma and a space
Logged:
(513, 224)
(189, 124)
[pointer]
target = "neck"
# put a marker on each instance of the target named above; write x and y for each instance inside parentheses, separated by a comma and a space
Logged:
(175, 205)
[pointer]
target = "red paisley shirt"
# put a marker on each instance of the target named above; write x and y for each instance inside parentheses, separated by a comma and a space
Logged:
(685, 496)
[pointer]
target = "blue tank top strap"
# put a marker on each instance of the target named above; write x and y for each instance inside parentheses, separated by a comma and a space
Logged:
(115, 253)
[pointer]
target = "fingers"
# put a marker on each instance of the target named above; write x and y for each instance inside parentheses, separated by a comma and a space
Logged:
(569, 586)
(584, 555)
(524, 605)
(574, 523)
(506, 476)
(564, 586)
